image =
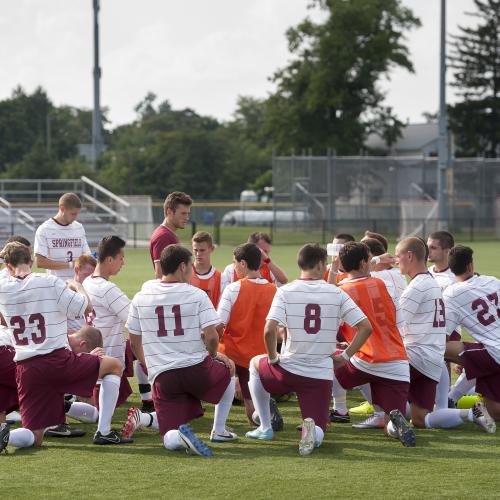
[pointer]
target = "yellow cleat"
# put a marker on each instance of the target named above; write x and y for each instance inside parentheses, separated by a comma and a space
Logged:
(363, 409)
(467, 402)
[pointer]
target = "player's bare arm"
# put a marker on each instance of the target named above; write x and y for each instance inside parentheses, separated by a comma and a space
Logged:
(78, 288)
(158, 273)
(136, 345)
(333, 274)
(364, 331)
(271, 339)
(211, 340)
(46, 263)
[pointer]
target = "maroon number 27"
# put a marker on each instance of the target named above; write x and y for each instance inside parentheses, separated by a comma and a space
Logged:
(162, 330)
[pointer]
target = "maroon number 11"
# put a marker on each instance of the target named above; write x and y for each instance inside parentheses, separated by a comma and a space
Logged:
(162, 330)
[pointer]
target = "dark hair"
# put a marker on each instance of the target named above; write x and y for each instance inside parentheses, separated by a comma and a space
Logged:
(445, 239)
(70, 200)
(172, 257)
(173, 200)
(352, 254)
(250, 253)
(109, 246)
(18, 239)
(310, 256)
(379, 237)
(460, 257)
(16, 253)
(345, 236)
(256, 237)
(375, 247)
(415, 245)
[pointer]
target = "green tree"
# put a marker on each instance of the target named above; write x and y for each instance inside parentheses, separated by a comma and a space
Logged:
(329, 95)
(475, 61)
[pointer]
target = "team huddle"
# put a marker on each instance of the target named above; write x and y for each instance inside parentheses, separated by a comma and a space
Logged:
(388, 326)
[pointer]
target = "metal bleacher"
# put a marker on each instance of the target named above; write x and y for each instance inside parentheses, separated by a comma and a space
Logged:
(26, 203)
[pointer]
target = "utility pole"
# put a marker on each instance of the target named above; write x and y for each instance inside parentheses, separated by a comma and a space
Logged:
(97, 145)
(443, 146)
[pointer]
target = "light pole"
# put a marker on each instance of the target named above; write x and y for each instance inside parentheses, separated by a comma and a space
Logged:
(443, 146)
(97, 145)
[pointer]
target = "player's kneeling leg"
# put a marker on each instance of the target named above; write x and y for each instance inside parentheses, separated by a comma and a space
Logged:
(219, 432)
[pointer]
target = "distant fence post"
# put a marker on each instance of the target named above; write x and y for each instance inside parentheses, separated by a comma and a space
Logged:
(135, 234)
(323, 231)
(217, 232)
(193, 227)
(271, 231)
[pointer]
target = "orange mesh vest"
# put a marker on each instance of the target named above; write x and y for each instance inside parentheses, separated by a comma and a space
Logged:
(340, 276)
(385, 343)
(244, 334)
(265, 273)
(211, 286)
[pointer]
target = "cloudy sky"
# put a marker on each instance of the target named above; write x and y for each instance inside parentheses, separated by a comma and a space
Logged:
(195, 53)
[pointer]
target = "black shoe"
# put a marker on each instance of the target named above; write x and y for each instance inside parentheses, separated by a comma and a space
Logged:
(111, 438)
(148, 406)
(451, 403)
(276, 418)
(339, 418)
(4, 436)
(63, 431)
(405, 433)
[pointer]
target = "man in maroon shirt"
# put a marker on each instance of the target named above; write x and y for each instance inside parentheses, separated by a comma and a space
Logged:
(176, 208)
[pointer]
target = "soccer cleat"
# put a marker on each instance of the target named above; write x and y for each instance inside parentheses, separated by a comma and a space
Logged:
(64, 430)
(282, 398)
(306, 445)
(339, 418)
(112, 437)
(404, 433)
(363, 409)
(483, 419)
(4, 436)
(266, 435)
(133, 422)
(215, 437)
(451, 404)
(148, 406)
(13, 417)
(467, 402)
(276, 418)
(192, 443)
(372, 422)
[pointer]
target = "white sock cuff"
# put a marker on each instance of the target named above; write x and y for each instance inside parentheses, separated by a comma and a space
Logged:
(252, 370)
(114, 379)
(318, 436)
(21, 438)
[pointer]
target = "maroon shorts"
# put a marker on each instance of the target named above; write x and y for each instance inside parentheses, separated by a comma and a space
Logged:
(480, 365)
(8, 387)
(422, 390)
(387, 393)
(42, 382)
(128, 371)
(314, 394)
(177, 393)
(243, 376)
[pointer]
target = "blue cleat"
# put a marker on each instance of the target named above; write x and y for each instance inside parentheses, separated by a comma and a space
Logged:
(260, 434)
(192, 443)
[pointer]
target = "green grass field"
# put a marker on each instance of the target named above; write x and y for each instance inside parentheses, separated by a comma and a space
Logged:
(351, 463)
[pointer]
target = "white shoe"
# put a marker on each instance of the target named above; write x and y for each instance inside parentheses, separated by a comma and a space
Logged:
(222, 438)
(373, 422)
(13, 417)
(306, 445)
(482, 418)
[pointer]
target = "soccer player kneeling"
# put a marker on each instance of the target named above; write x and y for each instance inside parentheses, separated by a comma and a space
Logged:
(172, 333)
(312, 311)
(35, 307)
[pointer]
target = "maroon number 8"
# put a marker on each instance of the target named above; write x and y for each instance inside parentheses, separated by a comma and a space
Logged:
(312, 319)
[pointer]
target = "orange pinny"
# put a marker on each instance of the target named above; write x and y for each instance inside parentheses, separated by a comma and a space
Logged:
(385, 343)
(211, 285)
(340, 275)
(265, 273)
(244, 334)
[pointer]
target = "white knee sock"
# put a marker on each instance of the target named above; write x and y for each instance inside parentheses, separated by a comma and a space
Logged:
(318, 436)
(445, 418)
(339, 396)
(366, 391)
(172, 440)
(21, 438)
(461, 387)
(223, 407)
(83, 412)
(142, 380)
(442, 389)
(260, 398)
(108, 396)
(149, 420)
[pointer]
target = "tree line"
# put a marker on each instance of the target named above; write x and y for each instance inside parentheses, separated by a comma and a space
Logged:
(328, 97)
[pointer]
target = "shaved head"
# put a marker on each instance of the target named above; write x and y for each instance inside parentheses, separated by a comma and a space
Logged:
(414, 245)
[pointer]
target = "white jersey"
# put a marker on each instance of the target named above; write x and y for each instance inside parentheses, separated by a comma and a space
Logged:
(170, 317)
(474, 304)
(444, 278)
(110, 312)
(228, 275)
(393, 280)
(62, 243)
(312, 311)
(36, 309)
(424, 328)
(4, 273)
(5, 339)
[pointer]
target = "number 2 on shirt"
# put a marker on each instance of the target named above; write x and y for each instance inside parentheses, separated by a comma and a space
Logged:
(483, 315)
(162, 330)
